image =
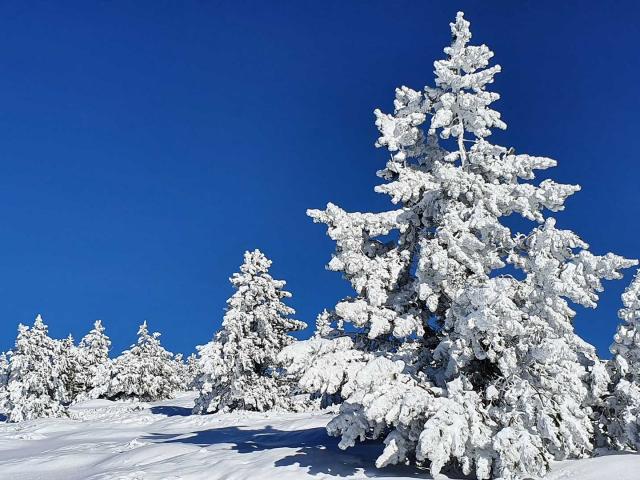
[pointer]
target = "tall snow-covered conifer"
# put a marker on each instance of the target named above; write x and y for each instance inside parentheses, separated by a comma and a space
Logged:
(239, 367)
(146, 371)
(452, 362)
(35, 385)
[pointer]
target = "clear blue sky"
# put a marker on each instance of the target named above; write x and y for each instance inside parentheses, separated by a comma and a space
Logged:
(145, 145)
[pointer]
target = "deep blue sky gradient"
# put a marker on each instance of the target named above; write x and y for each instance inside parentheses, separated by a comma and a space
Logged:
(145, 145)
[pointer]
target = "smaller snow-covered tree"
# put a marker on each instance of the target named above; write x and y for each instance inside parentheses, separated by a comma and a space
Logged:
(146, 371)
(193, 371)
(35, 385)
(4, 371)
(188, 371)
(94, 365)
(240, 369)
(621, 405)
(183, 371)
(70, 367)
(328, 325)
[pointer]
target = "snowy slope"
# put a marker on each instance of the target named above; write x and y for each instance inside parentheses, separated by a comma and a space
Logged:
(162, 441)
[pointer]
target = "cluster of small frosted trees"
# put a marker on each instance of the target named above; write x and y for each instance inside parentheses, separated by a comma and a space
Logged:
(238, 369)
(41, 376)
(457, 349)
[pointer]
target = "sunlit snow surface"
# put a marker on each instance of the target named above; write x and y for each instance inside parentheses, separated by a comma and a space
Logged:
(162, 441)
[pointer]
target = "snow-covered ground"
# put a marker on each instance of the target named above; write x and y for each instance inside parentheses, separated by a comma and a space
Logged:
(162, 441)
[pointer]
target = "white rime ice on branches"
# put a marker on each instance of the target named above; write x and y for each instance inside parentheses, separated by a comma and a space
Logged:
(453, 362)
(239, 367)
(146, 371)
(620, 408)
(322, 364)
(35, 383)
(94, 365)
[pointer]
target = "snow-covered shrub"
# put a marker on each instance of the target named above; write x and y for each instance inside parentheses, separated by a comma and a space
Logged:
(146, 371)
(239, 367)
(35, 382)
(93, 363)
(457, 361)
(620, 407)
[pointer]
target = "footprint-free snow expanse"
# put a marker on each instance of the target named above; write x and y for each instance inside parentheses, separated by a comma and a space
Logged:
(162, 441)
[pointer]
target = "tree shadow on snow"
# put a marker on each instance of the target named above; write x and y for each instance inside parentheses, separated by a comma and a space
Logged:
(171, 411)
(315, 450)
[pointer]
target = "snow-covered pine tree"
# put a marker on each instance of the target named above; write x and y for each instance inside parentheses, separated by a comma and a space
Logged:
(146, 371)
(239, 366)
(94, 365)
(463, 365)
(193, 371)
(620, 408)
(70, 367)
(182, 370)
(4, 371)
(35, 385)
